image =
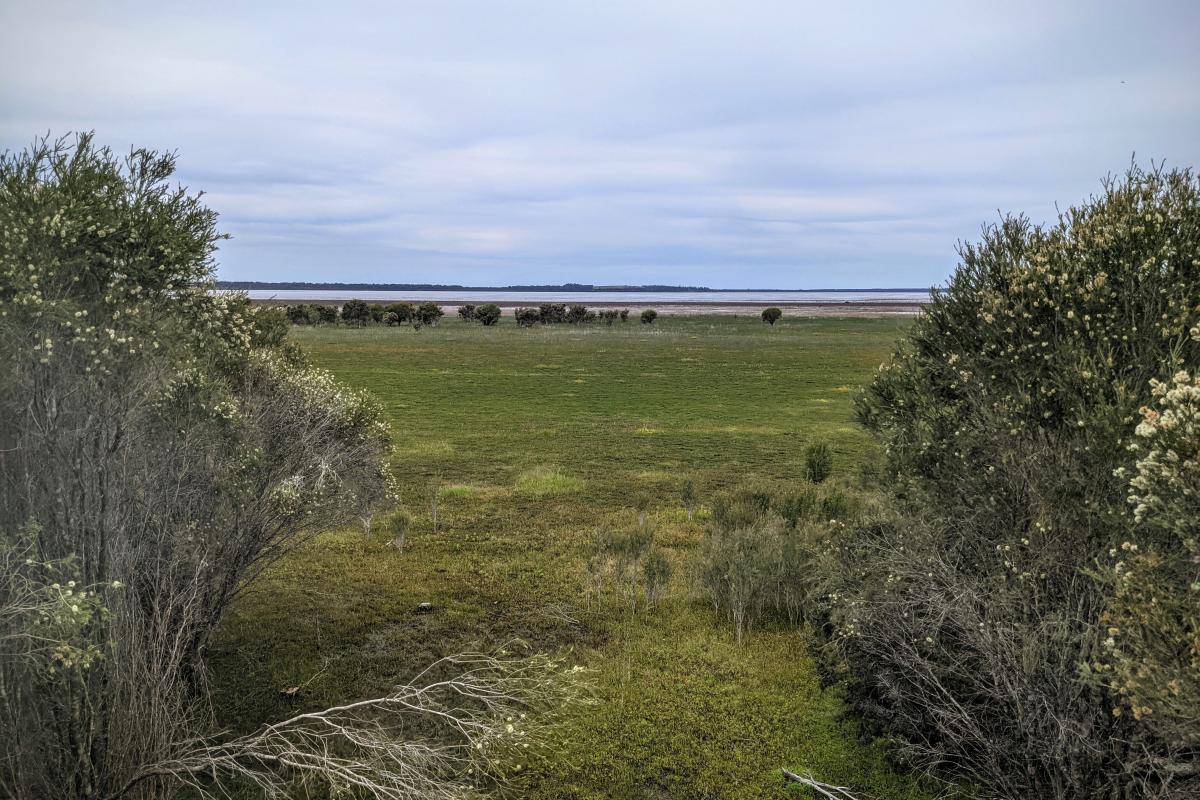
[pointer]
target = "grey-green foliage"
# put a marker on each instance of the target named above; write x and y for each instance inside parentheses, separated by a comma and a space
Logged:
(759, 552)
(159, 446)
(625, 563)
(974, 620)
(818, 462)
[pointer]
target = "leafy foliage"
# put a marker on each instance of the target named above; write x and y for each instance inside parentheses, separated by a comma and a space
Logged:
(648, 316)
(1006, 417)
(488, 314)
(771, 315)
(179, 447)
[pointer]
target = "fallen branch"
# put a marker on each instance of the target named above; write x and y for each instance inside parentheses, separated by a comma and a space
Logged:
(822, 789)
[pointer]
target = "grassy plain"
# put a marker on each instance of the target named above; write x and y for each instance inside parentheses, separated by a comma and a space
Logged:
(531, 441)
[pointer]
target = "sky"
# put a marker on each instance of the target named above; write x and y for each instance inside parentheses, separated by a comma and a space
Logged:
(733, 145)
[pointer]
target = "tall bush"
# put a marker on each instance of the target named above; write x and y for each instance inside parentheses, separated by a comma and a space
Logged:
(160, 444)
(1007, 415)
(488, 314)
(355, 312)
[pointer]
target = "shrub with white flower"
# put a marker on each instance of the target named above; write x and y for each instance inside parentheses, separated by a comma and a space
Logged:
(972, 614)
(1151, 654)
(154, 432)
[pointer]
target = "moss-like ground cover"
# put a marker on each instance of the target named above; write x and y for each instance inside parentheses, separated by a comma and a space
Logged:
(531, 440)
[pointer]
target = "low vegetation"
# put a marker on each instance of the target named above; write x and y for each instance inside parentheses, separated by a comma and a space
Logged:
(583, 434)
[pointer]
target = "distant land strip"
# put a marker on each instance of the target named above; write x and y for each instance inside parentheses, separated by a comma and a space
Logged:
(562, 287)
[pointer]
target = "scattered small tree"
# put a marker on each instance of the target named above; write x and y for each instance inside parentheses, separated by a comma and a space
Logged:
(624, 315)
(577, 314)
(356, 312)
(648, 316)
(527, 317)
(467, 312)
(552, 313)
(428, 313)
(771, 315)
(488, 314)
(403, 311)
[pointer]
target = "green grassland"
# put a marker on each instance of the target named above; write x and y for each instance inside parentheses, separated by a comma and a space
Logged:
(532, 440)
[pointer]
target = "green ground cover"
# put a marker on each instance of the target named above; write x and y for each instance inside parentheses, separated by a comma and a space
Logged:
(531, 440)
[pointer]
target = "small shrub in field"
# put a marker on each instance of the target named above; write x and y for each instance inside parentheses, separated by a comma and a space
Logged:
(527, 317)
(552, 313)
(403, 311)
(395, 526)
(390, 319)
(656, 574)
(624, 314)
(648, 316)
(635, 568)
(467, 312)
(687, 494)
(377, 312)
(818, 462)
(488, 314)
(427, 313)
(326, 315)
(577, 314)
(355, 312)
(641, 502)
(608, 316)
(771, 315)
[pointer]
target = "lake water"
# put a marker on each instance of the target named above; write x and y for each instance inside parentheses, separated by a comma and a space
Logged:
(600, 298)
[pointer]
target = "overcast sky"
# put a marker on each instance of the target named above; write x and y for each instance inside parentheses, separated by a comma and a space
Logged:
(736, 144)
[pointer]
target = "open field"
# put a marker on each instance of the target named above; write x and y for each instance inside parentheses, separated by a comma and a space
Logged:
(532, 440)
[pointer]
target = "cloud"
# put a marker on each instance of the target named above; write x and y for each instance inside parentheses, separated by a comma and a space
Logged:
(759, 144)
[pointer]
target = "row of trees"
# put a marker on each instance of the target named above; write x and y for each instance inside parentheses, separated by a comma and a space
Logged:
(561, 313)
(359, 313)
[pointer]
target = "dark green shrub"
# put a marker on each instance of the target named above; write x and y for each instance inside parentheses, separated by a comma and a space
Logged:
(608, 316)
(427, 313)
(648, 316)
(390, 319)
(527, 317)
(377, 312)
(303, 314)
(552, 313)
(403, 311)
(326, 314)
(578, 313)
(974, 621)
(818, 462)
(771, 315)
(270, 326)
(624, 314)
(488, 314)
(467, 312)
(355, 312)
